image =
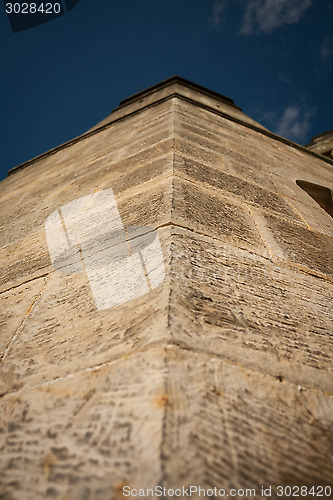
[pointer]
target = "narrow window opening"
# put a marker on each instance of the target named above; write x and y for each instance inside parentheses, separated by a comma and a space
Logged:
(322, 195)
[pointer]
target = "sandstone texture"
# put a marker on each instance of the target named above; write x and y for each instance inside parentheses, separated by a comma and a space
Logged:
(222, 375)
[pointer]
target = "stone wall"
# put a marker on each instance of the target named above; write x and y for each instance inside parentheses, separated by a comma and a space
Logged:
(219, 377)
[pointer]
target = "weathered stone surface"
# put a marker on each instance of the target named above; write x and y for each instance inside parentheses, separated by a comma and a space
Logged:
(209, 213)
(316, 218)
(241, 306)
(87, 435)
(16, 304)
(64, 332)
(232, 426)
(237, 187)
(32, 260)
(220, 376)
(305, 248)
(167, 417)
(246, 146)
(26, 215)
(149, 206)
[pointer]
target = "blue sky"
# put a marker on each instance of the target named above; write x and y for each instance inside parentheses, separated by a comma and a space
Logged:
(274, 58)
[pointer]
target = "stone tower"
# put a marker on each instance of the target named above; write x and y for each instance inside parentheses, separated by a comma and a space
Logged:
(166, 317)
(322, 144)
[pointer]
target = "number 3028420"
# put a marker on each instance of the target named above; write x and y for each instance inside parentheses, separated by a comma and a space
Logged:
(33, 8)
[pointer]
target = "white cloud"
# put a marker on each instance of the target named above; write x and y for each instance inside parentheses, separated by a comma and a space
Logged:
(326, 49)
(217, 11)
(295, 123)
(264, 16)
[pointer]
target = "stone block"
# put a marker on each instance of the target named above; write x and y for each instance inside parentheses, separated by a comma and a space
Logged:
(252, 312)
(235, 186)
(64, 332)
(209, 213)
(86, 435)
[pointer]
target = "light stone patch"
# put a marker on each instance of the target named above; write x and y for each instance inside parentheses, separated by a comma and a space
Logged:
(88, 234)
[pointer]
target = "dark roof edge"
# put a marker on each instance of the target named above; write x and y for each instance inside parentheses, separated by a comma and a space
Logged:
(171, 81)
(268, 133)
